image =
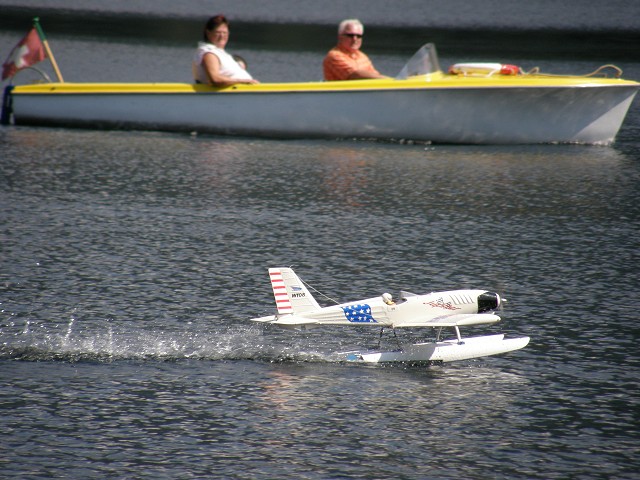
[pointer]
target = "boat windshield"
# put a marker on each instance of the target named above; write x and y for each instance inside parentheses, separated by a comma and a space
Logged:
(423, 61)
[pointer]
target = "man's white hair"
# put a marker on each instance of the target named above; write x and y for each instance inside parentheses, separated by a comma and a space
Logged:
(350, 21)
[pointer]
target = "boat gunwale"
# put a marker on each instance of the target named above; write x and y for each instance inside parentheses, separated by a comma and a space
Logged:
(387, 85)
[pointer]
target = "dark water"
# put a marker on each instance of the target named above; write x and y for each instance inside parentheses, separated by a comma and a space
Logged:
(130, 263)
(536, 29)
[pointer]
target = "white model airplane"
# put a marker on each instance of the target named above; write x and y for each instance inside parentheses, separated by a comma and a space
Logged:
(453, 309)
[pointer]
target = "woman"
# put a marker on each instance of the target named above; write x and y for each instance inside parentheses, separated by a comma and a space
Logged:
(211, 64)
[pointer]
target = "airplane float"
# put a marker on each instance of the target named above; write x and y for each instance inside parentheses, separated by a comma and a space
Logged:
(296, 308)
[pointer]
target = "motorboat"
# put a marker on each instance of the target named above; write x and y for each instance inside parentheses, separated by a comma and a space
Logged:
(482, 103)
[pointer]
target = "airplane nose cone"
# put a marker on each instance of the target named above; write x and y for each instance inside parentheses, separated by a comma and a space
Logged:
(488, 302)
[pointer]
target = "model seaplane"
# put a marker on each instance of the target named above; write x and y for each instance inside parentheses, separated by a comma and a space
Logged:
(438, 310)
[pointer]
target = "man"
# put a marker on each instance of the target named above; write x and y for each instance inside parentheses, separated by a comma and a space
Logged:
(345, 61)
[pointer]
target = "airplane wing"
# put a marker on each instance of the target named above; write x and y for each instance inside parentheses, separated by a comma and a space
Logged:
(459, 320)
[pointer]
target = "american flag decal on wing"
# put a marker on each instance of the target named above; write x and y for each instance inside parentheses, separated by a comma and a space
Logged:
(280, 291)
(358, 313)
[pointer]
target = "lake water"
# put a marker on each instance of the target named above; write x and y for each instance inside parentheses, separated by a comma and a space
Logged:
(130, 263)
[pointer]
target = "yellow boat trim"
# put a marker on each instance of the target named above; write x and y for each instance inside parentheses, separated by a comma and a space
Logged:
(431, 81)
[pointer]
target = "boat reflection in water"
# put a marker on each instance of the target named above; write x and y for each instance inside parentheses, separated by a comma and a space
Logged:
(471, 104)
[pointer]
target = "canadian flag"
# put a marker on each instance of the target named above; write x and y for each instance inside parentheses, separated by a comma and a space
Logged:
(26, 53)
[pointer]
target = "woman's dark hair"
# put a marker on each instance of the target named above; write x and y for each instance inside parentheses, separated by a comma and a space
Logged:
(213, 23)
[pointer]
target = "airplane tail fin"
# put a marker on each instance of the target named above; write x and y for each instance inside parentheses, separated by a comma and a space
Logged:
(290, 293)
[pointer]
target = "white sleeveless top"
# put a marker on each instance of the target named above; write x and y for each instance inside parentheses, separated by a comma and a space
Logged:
(228, 66)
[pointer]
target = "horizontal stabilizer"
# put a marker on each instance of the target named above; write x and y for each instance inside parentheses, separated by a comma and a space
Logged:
(459, 320)
(286, 320)
(294, 320)
(268, 319)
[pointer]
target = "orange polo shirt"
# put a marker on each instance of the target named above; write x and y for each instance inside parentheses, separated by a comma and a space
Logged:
(340, 63)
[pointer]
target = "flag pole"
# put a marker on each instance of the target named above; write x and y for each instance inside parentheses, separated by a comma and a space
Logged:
(43, 39)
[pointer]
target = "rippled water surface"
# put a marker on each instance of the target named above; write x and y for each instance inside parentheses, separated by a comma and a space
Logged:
(130, 263)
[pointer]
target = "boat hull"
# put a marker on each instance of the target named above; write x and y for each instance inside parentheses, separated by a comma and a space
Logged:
(445, 351)
(440, 112)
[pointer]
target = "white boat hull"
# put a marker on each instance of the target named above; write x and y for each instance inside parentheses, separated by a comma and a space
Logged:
(444, 351)
(589, 113)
